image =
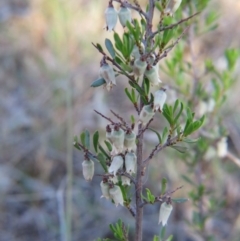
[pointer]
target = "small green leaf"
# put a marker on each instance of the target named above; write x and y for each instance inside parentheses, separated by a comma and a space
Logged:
(99, 47)
(103, 151)
(128, 95)
(95, 140)
(132, 119)
(134, 96)
(188, 140)
(102, 161)
(175, 105)
(82, 138)
(158, 135)
(164, 134)
(181, 149)
(87, 139)
(187, 179)
(110, 48)
(179, 113)
(164, 185)
(98, 82)
(75, 143)
(118, 42)
(169, 238)
(109, 146)
(180, 200)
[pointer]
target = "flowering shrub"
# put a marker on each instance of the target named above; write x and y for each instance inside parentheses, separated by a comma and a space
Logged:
(136, 54)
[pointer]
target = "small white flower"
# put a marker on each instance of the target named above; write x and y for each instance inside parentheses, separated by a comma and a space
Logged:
(146, 114)
(117, 163)
(116, 195)
(130, 140)
(222, 147)
(105, 190)
(130, 162)
(107, 73)
(88, 169)
(153, 76)
(125, 181)
(172, 6)
(124, 15)
(160, 97)
(111, 17)
(139, 67)
(118, 140)
(165, 211)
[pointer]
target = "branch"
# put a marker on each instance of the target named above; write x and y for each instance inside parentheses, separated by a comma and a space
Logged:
(144, 129)
(121, 119)
(173, 25)
(165, 53)
(163, 198)
(86, 150)
(158, 148)
(105, 117)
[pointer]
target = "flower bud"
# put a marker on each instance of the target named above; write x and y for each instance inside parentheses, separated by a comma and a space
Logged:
(146, 114)
(124, 15)
(172, 6)
(125, 181)
(165, 211)
(116, 195)
(107, 73)
(222, 147)
(152, 75)
(105, 190)
(88, 169)
(109, 133)
(159, 99)
(129, 140)
(111, 17)
(130, 162)
(139, 67)
(117, 163)
(118, 140)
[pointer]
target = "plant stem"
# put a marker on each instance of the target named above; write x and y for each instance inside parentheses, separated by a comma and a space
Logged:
(138, 186)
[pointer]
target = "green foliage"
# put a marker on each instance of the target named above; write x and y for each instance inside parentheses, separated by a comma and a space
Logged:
(120, 231)
(150, 198)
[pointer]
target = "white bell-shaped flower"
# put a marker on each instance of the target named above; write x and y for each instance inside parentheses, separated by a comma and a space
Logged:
(107, 73)
(139, 67)
(130, 141)
(111, 17)
(153, 76)
(105, 190)
(130, 162)
(165, 211)
(116, 195)
(88, 169)
(118, 140)
(117, 163)
(125, 181)
(146, 114)
(222, 147)
(172, 6)
(160, 97)
(124, 15)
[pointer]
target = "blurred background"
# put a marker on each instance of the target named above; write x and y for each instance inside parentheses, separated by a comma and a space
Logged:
(47, 63)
